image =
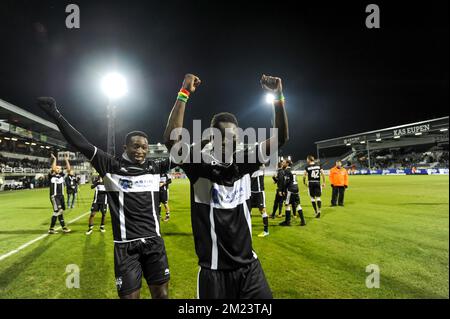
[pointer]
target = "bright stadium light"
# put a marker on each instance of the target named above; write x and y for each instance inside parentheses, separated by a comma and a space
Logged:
(418, 134)
(363, 142)
(114, 86)
(270, 98)
(348, 144)
(443, 130)
(378, 140)
(397, 136)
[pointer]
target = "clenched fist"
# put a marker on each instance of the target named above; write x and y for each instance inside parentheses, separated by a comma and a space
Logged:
(271, 83)
(191, 82)
(48, 105)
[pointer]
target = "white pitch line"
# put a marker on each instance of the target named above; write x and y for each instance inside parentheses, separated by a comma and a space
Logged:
(12, 252)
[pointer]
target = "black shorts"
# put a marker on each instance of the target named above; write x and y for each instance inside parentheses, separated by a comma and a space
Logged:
(315, 190)
(258, 200)
(99, 208)
(164, 197)
(140, 257)
(58, 203)
(248, 282)
(292, 199)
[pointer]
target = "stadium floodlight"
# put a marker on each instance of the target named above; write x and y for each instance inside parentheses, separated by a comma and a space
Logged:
(33, 144)
(348, 144)
(378, 140)
(270, 98)
(114, 85)
(7, 138)
(443, 130)
(418, 134)
(363, 142)
(14, 139)
(397, 136)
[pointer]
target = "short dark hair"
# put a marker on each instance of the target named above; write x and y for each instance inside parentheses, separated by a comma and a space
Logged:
(132, 134)
(223, 117)
(311, 158)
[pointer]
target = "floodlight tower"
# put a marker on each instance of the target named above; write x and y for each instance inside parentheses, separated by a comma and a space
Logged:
(114, 86)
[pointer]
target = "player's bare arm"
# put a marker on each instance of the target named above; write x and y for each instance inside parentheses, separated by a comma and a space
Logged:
(53, 163)
(176, 117)
(274, 85)
(322, 173)
(305, 175)
(66, 160)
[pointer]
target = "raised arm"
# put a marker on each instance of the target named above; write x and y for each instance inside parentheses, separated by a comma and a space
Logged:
(73, 137)
(66, 159)
(274, 86)
(53, 162)
(176, 117)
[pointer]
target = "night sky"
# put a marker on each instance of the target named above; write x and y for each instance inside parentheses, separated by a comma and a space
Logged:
(339, 77)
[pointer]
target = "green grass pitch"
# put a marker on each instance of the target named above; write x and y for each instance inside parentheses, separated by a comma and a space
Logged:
(400, 223)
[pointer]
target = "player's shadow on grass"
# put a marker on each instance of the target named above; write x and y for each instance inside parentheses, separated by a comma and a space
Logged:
(11, 273)
(95, 266)
(34, 207)
(172, 233)
(23, 232)
(424, 204)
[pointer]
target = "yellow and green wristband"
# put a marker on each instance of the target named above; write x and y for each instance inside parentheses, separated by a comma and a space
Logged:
(279, 97)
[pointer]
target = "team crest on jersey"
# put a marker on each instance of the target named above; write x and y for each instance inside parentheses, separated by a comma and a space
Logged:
(119, 282)
(125, 183)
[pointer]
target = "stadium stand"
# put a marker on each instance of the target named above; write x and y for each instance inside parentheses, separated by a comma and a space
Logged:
(406, 148)
(26, 142)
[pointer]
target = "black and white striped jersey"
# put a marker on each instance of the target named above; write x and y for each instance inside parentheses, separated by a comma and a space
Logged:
(220, 211)
(165, 178)
(313, 170)
(100, 196)
(57, 182)
(290, 180)
(133, 194)
(257, 181)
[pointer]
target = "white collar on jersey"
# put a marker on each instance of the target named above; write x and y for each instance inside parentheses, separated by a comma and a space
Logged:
(125, 156)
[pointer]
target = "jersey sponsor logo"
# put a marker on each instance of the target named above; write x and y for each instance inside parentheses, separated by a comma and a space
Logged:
(221, 196)
(141, 183)
(227, 198)
(166, 272)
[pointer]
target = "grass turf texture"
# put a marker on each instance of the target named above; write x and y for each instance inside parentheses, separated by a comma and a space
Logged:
(400, 223)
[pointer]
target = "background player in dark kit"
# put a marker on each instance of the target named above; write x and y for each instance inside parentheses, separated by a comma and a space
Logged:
(99, 204)
(229, 268)
(292, 196)
(259, 198)
(72, 182)
(314, 173)
(164, 183)
(56, 178)
(132, 185)
(279, 196)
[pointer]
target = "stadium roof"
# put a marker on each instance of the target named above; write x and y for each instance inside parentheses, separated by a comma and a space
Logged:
(425, 132)
(23, 123)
